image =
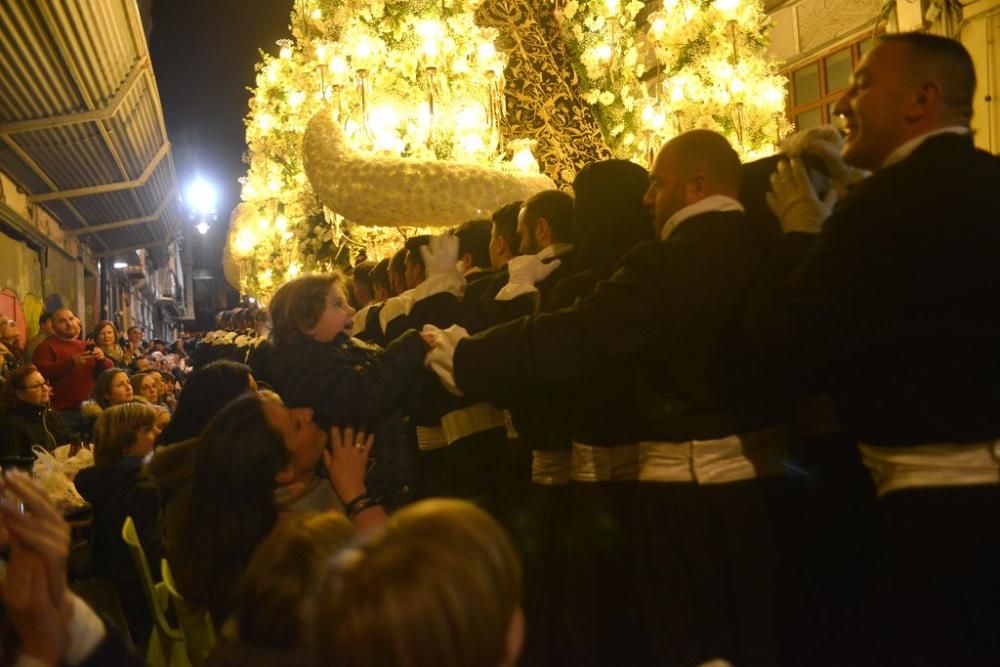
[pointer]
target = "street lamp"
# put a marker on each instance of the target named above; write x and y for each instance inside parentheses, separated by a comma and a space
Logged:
(201, 198)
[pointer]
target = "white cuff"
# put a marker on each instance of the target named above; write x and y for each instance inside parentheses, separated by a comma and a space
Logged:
(395, 307)
(511, 291)
(452, 282)
(86, 631)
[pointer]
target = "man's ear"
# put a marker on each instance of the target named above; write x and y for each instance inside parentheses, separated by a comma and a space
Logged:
(466, 260)
(697, 187)
(543, 232)
(926, 100)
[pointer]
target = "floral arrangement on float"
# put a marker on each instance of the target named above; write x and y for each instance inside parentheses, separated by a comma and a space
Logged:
(409, 84)
(651, 70)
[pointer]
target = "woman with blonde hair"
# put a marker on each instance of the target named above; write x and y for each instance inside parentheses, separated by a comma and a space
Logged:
(106, 337)
(440, 585)
(116, 488)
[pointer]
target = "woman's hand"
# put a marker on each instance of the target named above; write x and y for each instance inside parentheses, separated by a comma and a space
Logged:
(346, 460)
(42, 627)
(35, 590)
(39, 528)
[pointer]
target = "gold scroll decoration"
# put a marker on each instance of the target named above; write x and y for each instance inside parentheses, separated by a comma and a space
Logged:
(541, 89)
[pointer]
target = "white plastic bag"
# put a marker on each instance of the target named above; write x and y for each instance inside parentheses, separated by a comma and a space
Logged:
(73, 464)
(48, 473)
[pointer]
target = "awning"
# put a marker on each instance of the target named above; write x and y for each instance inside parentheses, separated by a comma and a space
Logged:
(81, 126)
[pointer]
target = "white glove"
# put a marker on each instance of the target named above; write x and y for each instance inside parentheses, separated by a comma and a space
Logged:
(794, 201)
(441, 358)
(395, 307)
(525, 272)
(440, 261)
(826, 143)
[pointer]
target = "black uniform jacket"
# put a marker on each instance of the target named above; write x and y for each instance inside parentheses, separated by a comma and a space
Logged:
(898, 298)
(667, 313)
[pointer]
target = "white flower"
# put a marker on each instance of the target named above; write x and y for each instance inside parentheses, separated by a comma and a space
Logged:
(592, 96)
(569, 11)
(607, 98)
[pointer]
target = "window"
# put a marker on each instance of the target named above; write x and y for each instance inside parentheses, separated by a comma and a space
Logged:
(816, 86)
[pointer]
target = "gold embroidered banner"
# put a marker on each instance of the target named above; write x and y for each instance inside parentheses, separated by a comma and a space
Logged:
(543, 100)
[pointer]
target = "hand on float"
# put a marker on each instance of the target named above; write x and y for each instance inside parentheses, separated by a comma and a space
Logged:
(526, 271)
(794, 201)
(441, 358)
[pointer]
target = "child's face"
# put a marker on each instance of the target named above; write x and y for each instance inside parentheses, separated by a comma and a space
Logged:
(144, 439)
(337, 316)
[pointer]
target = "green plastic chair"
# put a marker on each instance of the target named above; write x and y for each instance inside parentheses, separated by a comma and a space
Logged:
(166, 643)
(199, 633)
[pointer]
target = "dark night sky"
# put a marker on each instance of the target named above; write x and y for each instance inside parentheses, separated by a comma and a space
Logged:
(203, 54)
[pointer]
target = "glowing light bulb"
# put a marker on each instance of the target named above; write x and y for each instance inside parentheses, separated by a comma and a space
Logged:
(296, 98)
(613, 6)
(727, 6)
(603, 52)
(316, 14)
(737, 86)
(245, 241)
(321, 53)
(265, 122)
(677, 94)
(523, 158)
(294, 269)
(285, 53)
(281, 223)
(486, 51)
(263, 224)
(338, 68)
(658, 27)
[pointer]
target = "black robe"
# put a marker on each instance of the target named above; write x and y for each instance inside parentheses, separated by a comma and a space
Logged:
(669, 317)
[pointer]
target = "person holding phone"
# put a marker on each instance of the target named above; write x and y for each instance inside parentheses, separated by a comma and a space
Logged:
(69, 366)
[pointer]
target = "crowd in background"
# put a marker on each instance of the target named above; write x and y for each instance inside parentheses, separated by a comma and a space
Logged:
(700, 412)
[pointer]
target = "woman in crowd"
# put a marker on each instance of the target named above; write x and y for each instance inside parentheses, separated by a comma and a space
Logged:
(113, 387)
(316, 364)
(144, 388)
(267, 626)
(116, 488)
(27, 418)
(250, 449)
(440, 585)
(11, 356)
(206, 391)
(106, 337)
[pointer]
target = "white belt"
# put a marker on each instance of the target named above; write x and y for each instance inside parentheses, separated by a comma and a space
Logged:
(942, 464)
(462, 423)
(605, 464)
(430, 437)
(730, 459)
(550, 468)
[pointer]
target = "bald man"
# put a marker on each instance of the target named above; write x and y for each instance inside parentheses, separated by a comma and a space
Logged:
(669, 317)
(895, 295)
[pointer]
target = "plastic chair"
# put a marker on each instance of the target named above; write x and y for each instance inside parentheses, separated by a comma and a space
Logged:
(166, 643)
(199, 633)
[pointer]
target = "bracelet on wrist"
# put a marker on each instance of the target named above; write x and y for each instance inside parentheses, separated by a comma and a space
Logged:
(359, 505)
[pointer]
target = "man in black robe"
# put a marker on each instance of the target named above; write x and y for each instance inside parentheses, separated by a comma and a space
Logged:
(895, 296)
